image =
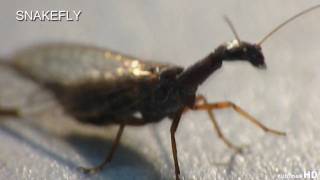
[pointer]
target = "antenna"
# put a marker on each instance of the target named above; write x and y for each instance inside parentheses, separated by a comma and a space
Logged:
(228, 21)
(287, 21)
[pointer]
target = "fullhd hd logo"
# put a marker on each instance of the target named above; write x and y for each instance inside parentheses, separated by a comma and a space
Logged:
(311, 174)
(307, 174)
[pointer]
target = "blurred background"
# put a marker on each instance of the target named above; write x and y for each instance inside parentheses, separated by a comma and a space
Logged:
(50, 145)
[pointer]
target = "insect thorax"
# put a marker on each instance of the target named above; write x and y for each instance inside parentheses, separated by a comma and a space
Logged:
(168, 97)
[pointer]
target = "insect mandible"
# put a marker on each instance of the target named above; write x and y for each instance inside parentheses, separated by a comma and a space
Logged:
(102, 87)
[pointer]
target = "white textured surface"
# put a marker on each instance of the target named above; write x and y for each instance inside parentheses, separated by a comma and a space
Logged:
(285, 97)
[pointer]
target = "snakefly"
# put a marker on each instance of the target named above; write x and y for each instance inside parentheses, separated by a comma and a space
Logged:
(102, 87)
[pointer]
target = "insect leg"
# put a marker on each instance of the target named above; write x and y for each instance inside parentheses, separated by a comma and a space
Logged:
(110, 155)
(9, 112)
(228, 104)
(216, 125)
(173, 130)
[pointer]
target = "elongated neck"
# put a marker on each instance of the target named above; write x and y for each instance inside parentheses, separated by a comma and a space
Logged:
(196, 74)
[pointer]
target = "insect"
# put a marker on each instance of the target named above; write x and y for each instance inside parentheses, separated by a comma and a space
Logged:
(102, 87)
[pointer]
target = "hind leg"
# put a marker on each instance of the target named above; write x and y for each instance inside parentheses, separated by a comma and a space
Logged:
(107, 160)
(9, 112)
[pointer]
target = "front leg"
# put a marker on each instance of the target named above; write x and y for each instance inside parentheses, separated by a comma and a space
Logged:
(247, 116)
(201, 100)
(202, 104)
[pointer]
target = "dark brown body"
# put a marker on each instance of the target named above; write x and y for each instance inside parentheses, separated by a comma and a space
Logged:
(99, 86)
